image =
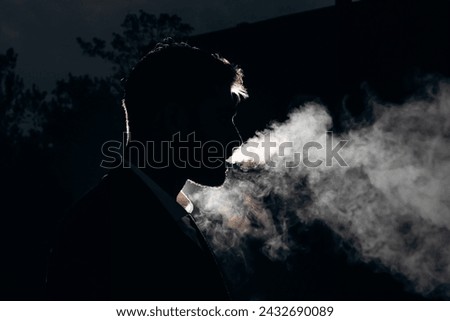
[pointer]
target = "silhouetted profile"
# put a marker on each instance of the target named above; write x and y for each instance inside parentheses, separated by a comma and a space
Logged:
(128, 238)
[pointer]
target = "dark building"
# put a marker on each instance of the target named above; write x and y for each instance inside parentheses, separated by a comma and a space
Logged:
(385, 47)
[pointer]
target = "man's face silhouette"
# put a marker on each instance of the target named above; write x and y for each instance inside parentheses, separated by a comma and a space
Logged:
(177, 90)
(217, 134)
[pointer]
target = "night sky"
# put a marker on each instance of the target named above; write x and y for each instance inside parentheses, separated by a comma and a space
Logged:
(44, 32)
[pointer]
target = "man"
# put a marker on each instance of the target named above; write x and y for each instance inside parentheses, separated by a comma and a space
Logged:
(128, 239)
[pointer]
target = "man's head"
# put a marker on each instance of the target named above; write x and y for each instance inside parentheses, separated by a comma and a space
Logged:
(178, 89)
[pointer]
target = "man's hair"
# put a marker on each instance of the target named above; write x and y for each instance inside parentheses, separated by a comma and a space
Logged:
(175, 73)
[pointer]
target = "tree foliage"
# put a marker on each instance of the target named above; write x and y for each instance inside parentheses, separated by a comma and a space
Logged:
(29, 113)
(22, 110)
(140, 33)
(35, 120)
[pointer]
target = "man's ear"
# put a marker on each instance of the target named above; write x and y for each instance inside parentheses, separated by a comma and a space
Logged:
(176, 118)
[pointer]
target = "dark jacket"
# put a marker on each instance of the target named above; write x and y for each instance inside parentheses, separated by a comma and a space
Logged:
(120, 243)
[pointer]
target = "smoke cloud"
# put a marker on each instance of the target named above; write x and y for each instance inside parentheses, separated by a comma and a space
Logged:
(391, 202)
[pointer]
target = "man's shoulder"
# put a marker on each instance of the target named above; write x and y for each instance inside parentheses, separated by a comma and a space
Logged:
(112, 211)
(119, 196)
(117, 186)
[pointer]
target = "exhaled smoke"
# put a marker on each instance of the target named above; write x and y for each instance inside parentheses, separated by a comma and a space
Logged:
(391, 202)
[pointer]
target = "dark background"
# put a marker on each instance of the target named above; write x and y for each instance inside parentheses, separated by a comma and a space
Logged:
(50, 140)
